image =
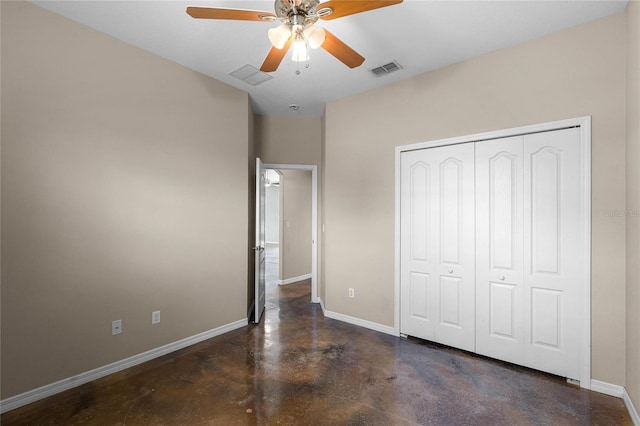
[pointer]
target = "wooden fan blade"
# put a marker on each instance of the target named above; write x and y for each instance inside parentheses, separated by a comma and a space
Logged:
(340, 50)
(274, 57)
(232, 14)
(351, 7)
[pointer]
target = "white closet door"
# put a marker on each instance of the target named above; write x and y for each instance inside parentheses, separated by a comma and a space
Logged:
(500, 328)
(553, 276)
(437, 245)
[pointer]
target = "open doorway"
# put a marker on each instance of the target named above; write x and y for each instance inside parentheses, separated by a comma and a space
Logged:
(289, 237)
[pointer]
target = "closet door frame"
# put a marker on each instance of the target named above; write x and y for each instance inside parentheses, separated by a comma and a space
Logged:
(584, 123)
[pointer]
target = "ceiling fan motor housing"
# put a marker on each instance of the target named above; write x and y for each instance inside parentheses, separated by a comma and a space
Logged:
(292, 10)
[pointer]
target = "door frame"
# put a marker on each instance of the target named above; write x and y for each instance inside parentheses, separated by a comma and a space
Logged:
(314, 219)
(584, 123)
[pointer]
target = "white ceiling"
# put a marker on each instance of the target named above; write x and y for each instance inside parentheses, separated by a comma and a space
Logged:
(421, 35)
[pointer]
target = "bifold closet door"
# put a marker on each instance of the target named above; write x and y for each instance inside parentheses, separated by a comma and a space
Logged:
(554, 280)
(500, 324)
(437, 245)
(529, 245)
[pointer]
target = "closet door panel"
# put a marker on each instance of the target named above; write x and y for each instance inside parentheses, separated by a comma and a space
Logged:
(456, 257)
(420, 297)
(546, 318)
(419, 205)
(545, 169)
(499, 251)
(502, 311)
(451, 302)
(451, 211)
(437, 245)
(553, 275)
(417, 245)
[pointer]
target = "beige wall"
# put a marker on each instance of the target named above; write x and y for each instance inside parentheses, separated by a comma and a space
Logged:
(576, 72)
(124, 190)
(295, 224)
(288, 140)
(633, 203)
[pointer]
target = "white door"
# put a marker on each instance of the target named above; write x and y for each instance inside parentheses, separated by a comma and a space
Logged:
(437, 245)
(260, 241)
(553, 270)
(529, 248)
(500, 322)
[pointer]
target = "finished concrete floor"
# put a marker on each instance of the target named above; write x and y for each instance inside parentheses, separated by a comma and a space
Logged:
(299, 368)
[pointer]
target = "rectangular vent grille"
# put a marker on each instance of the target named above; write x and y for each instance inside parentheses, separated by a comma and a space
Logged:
(386, 69)
(250, 75)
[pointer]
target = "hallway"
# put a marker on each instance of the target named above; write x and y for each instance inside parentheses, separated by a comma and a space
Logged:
(297, 367)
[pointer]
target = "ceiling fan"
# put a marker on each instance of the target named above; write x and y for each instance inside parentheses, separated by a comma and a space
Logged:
(297, 27)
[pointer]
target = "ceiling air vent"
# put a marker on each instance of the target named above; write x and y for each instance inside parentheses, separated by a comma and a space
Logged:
(250, 75)
(386, 69)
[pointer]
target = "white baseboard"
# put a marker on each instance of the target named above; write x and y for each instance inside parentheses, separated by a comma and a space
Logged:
(13, 402)
(607, 388)
(324, 311)
(618, 392)
(635, 418)
(360, 322)
(294, 279)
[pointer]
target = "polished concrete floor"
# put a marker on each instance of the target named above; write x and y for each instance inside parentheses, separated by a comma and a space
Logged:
(299, 368)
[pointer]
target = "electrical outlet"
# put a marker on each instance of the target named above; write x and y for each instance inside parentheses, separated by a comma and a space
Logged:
(352, 293)
(116, 327)
(155, 317)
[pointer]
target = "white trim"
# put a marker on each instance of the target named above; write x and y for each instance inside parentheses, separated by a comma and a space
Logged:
(294, 280)
(633, 413)
(396, 266)
(585, 152)
(259, 258)
(503, 133)
(585, 171)
(361, 323)
(321, 302)
(88, 376)
(606, 388)
(314, 219)
(618, 392)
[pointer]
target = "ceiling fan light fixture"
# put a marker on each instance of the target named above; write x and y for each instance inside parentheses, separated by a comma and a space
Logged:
(278, 36)
(300, 51)
(314, 35)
